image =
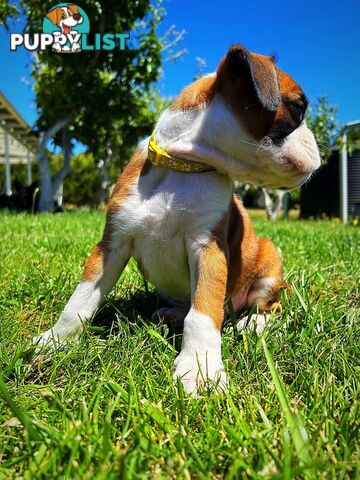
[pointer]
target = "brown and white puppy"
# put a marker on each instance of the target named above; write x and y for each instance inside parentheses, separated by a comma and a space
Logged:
(190, 236)
(65, 18)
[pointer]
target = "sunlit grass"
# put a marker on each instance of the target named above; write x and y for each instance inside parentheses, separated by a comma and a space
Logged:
(107, 407)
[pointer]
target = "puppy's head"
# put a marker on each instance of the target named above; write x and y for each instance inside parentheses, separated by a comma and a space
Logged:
(276, 150)
(246, 120)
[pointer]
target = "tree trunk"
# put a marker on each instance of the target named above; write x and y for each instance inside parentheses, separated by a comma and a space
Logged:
(273, 206)
(104, 175)
(286, 205)
(104, 181)
(46, 201)
(58, 180)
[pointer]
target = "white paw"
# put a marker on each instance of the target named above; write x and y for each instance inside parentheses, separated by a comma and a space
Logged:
(53, 339)
(197, 370)
(57, 47)
(47, 339)
(257, 322)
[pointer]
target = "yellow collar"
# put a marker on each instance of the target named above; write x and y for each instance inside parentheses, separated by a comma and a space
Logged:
(158, 156)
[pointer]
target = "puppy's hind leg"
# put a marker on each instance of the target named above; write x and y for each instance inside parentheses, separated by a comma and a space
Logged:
(101, 272)
(264, 293)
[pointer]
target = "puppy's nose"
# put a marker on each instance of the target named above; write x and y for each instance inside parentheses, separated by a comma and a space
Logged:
(77, 16)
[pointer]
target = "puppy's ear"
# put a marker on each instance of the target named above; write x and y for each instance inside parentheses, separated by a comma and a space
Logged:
(258, 71)
(54, 16)
(74, 9)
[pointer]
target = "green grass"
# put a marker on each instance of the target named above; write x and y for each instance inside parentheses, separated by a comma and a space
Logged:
(107, 407)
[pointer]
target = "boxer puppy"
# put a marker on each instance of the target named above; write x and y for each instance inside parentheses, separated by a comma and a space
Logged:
(174, 211)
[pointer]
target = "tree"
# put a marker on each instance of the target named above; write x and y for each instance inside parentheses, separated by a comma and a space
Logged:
(321, 119)
(47, 185)
(98, 98)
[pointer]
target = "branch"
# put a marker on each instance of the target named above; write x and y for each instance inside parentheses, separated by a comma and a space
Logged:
(55, 128)
(44, 136)
(273, 206)
(175, 41)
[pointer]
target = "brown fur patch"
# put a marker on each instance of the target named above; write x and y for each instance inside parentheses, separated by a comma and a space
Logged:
(211, 282)
(232, 261)
(260, 94)
(269, 264)
(243, 248)
(197, 93)
(95, 262)
(137, 166)
(97, 259)
(248, 257)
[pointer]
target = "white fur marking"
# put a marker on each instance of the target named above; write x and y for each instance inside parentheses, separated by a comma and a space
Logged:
(165, 212)
(200, 356)
(260, 290)
(86, 298)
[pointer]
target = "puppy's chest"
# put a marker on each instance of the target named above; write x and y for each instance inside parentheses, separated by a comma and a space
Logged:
(159, 248)
(164, 219)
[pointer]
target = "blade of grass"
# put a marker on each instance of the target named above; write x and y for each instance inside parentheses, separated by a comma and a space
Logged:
(230, 307)
(297, 430)
(24, 418)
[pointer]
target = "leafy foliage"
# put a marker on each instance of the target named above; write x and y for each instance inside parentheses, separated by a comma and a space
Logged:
(321, 119)
(8, 11)
(105, 93)
(353, 139)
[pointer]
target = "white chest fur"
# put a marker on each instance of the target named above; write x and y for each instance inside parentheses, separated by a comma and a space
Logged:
(167, 212)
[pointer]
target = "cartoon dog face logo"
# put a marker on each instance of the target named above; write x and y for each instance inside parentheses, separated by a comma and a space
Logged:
(65, 17)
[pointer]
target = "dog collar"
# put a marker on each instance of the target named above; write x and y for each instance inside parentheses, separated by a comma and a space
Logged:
(160, 157)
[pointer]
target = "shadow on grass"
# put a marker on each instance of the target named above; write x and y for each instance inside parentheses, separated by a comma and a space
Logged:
(136, 311)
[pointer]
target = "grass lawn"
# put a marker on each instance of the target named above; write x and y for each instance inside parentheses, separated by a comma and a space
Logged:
(107, 407)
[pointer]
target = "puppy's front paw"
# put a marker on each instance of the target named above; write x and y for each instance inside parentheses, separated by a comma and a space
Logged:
(198, 370)
(54, 338)
(47, 339)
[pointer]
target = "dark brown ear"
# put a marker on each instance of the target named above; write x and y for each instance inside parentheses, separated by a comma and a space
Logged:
(258, 71)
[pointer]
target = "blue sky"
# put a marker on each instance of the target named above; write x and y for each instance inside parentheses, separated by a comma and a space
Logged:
(317, 42)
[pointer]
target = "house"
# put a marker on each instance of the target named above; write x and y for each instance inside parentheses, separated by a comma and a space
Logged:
(17, 143)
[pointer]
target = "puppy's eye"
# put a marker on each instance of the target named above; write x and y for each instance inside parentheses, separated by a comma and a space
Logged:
(278, 140)
(300, 110)
(63, 15)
